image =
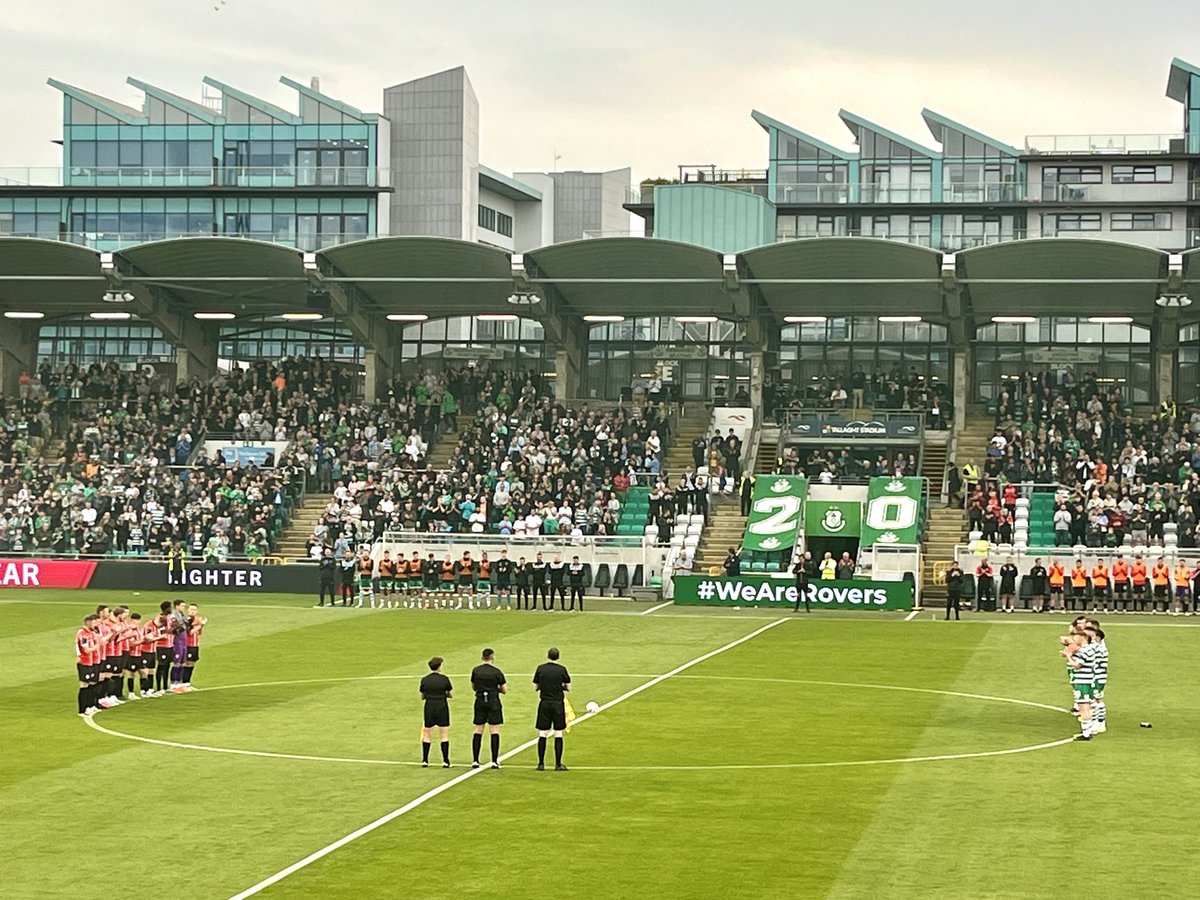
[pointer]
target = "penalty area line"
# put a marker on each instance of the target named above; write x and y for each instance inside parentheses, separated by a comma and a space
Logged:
(471, 773)
(912, 615)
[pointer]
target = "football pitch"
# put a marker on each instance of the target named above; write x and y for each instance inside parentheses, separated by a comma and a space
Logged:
(736, 754)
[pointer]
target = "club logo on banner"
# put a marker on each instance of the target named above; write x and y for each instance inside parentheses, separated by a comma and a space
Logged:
(775, 511)
(893, 513)
(833, 518)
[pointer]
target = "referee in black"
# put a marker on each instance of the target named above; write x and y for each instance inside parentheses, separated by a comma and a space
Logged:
(489, 683)
(552, 681)
(436, 691)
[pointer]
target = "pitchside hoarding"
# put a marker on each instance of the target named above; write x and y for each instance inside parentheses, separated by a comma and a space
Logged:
(765, 591)
(148, 575)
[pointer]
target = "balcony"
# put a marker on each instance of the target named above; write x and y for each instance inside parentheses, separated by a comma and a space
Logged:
(950, 243)
(1175, 192)
(1104, 144)
(119, 240)
(250, 177)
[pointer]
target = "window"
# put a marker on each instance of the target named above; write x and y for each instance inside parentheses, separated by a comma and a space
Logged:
(504, 224)
(1072, 175)
(494, 221)
(1143, 174)
(1072, 222)
(1141, 221)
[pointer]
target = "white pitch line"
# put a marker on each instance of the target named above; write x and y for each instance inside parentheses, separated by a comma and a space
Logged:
(471, 773)
(912, 615)
(828, 765)
(646, 612)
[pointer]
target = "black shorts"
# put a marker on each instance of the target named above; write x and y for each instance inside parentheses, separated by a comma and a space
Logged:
(129, 662)
(503, 584)
(551, 715)
(88, 674)
(148, 660)
(437, 714)
(164, 654)
(1162, 590)
(193, 654)
(1121, 587)
(489, 711)
(1055, 589)
(110, 664)
(1100, 591)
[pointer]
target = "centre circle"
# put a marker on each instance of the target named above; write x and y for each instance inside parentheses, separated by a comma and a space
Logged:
(236, 751)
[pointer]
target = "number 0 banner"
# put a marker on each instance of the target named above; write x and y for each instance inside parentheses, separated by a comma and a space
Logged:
(775, 512)
(893, 512)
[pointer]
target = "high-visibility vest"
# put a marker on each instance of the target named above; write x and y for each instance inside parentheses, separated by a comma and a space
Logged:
(1057, 573)
(1100, 575)
(1138, 572)
(1161, 574)
(1120, 572)
(1183, 575)
(1078, 576)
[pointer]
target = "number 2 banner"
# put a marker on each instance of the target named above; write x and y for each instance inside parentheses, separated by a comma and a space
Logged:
(893, 512)
(775, 512)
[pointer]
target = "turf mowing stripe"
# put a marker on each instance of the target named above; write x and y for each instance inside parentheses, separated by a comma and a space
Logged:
(471, 773)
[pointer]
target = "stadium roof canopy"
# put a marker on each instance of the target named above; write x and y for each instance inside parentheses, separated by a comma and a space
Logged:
(1060, 276)
(610, 276)
(846, 276)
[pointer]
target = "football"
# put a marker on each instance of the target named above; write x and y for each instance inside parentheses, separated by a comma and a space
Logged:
(593, 707)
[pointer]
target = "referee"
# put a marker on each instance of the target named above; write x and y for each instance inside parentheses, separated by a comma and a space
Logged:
(552, 681)
(436, 691)
(489, 683)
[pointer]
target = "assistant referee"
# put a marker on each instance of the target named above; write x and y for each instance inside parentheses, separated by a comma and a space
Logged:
(552, 681)
(489, 683)
(436, 690)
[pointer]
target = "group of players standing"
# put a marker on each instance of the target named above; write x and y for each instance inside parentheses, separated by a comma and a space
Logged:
(551, 680)
(1119, 588)
(1086, 654)
(423, 584)
(154, 656)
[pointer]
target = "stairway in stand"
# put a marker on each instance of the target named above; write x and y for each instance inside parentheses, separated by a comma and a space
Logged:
(691, 425)
(300, 528)
(768, 453)
(726, 528)
(441, 454)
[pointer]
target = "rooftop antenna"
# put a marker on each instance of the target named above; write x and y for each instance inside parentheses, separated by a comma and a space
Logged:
(557, 157)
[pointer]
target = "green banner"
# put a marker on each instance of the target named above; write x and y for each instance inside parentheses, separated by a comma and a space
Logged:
(832, 518)
(893, 513)
(765, 591)
(775, 510)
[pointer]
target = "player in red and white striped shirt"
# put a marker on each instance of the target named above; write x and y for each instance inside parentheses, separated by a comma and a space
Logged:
(87, 654)
(195, 627)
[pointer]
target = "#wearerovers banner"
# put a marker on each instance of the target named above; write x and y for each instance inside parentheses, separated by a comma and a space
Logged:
(832, 518)
(893, 513)
(765, 591)
(775, 510)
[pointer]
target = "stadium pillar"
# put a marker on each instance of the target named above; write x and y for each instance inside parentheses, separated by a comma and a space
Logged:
(196, 352)
(380, 366)
(18, 352)
(757, 337)
(962, 384)
(571, 334)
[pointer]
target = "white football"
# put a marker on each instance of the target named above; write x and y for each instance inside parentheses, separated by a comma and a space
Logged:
(593, 707)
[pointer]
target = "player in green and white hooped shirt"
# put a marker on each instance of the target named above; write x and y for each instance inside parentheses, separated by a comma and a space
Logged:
(1081, 656)
(1099, 711)
(1078, 624)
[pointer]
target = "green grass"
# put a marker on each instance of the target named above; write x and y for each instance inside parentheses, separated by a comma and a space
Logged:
(624, 822)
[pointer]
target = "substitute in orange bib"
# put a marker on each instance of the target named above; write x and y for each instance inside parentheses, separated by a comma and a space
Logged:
(1160, 575)
(1183, 588)
(1138, 582)
(1058, 580)
(1079, 580)
(1100, 590)
(1120, 583)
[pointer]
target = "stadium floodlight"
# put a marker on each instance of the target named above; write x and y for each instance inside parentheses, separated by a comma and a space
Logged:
(1014, 320)
(695, 320)
(896, 320)
(524, 298)
(1110, 320)
(1174, 301)
(23, 314)
(805, 320)
(118, 297)
(407, 317)
(214, 316)
(302, 316)
(604, 318)
(496, 317)
(110, 316)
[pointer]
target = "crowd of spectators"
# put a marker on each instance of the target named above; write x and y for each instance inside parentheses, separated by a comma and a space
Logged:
(1121, 478)
(524, 465)
(827, 465)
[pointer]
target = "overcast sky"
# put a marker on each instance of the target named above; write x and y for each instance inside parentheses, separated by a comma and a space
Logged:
(651, 85)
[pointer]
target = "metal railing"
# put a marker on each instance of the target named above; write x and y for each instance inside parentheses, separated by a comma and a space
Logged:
(1105, 143)
(195, 176)
(119, 240)
(1171, 192)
